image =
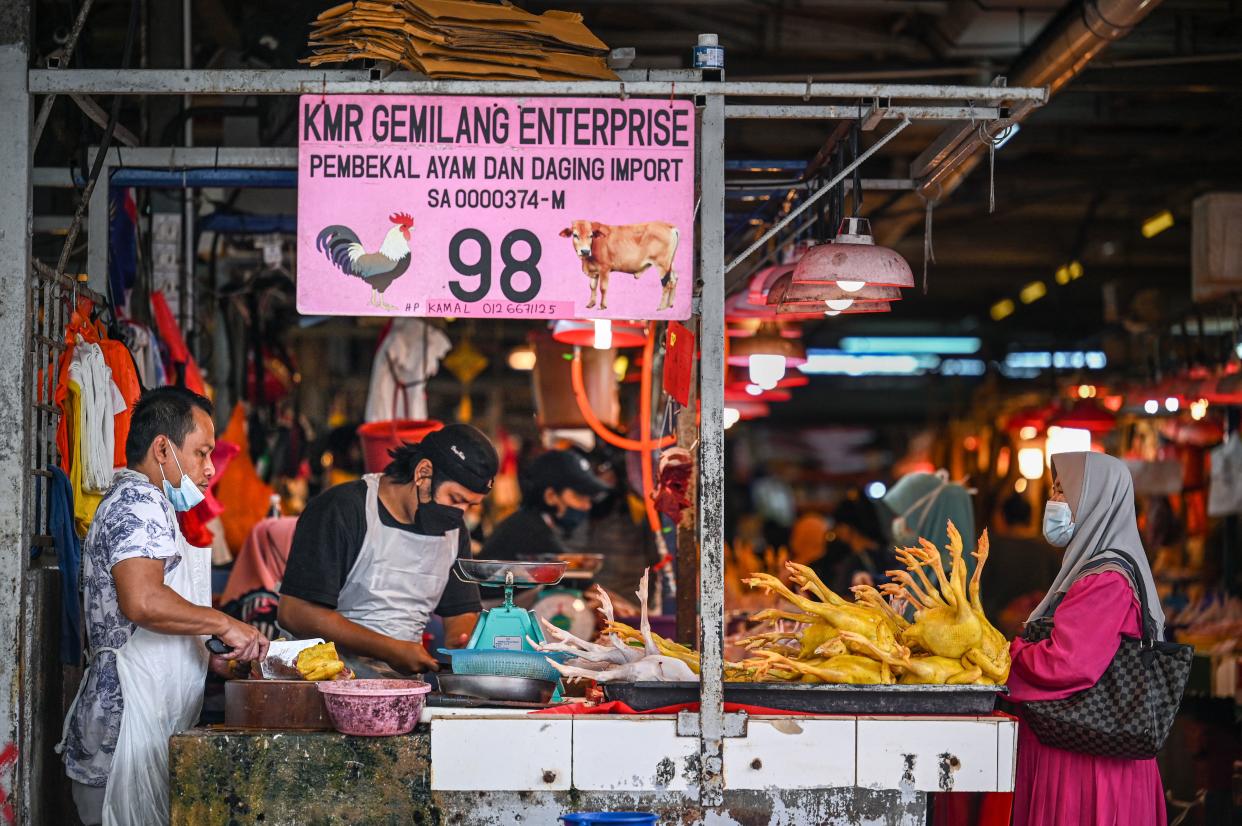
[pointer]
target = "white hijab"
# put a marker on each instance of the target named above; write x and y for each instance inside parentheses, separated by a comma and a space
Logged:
(1100, 492)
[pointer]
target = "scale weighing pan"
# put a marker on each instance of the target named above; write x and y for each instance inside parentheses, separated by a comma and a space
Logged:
(499, 572)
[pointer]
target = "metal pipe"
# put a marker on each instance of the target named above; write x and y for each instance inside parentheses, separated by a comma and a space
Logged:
(1070, 42)
(312, 82)
(770, 111)
(823, 190)
(711, 454)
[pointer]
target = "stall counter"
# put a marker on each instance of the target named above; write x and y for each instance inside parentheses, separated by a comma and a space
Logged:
(501, 768)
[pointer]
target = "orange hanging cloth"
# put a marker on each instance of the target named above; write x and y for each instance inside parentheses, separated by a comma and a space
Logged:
(244, 496)
(125, 377)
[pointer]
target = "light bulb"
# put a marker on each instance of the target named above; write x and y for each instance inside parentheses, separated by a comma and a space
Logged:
(876, 490)
(831, 313)
(1031, 463)
(1198, 409)
(754, 390)
(1028, 432)
(1151, 407)
(839, 304)
(851, 286)
(766, 369)
(731, 415)
(1171, 404)
(603, 334)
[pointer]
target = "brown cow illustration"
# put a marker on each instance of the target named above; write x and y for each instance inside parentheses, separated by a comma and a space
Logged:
(633, 248)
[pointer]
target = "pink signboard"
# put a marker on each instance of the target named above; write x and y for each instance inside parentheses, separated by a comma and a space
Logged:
(495, 207)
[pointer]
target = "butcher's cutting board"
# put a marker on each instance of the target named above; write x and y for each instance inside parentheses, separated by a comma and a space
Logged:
(275, 704)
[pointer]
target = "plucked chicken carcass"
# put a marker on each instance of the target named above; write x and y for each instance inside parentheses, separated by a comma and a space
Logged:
(831, 639)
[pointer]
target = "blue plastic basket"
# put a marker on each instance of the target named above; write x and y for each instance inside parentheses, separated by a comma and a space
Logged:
(497, 662)
(634, 818)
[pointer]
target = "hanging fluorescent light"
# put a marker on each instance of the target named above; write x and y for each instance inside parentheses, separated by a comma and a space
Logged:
(1151, 407)
(839, 304)
(1031, 463)
(944, 345)
(1172, 403)
(731, 415)
(1002, 309)
(1033, 292)
(1157, 224)
(603, 334)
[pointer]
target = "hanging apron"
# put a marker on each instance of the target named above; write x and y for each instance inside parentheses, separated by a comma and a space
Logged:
(162, 677)
(396, 582)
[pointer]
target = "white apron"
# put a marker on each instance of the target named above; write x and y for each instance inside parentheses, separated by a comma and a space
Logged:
(162, 678)
(398, 578)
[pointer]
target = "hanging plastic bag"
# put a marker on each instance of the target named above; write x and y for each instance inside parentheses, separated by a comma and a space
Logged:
(1225, 490)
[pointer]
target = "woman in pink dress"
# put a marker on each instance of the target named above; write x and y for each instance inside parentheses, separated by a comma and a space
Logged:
(1094, 602)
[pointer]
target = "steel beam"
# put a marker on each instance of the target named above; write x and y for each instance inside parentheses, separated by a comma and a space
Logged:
(15, 225)
(711, 452)
(308, 82)
(769, 111)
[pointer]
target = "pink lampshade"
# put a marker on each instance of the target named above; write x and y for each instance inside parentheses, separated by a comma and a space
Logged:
(767, 341)
(853, 256)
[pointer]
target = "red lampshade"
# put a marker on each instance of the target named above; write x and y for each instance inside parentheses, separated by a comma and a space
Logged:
(1085, 414)
(854, 257)
(768, 340)
(812, 298)
(750, 409)
(581, 333)
(1019, 420)
(734, 394)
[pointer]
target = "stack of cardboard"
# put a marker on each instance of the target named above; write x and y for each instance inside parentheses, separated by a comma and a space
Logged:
(459, 39)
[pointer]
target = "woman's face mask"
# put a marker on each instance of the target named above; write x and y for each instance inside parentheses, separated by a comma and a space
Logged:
(1058, 523)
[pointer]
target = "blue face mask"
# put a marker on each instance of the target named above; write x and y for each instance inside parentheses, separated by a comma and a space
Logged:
(186, 495)
(1058, 524)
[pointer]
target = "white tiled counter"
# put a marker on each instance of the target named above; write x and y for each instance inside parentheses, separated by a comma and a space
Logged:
(644, 754)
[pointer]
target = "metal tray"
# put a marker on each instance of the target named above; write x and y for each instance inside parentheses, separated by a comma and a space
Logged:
(495, 572)
(486, 687)
(819, 699)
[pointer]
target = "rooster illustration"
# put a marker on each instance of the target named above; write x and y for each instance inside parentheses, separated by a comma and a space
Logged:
(379, 269)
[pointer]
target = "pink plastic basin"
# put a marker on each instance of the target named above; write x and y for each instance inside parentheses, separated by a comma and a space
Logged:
(374, 708)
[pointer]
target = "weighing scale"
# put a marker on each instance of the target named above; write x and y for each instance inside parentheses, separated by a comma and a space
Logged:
(506, 626)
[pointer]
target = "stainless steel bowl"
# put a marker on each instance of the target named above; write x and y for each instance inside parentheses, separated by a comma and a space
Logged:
(488, 687)
(496, 571)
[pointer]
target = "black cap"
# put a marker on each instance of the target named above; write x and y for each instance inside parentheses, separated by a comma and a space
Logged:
(561, 469)
(462, 453)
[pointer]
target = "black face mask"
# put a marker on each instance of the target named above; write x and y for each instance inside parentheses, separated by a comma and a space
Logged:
(434, 519)
(570, 519)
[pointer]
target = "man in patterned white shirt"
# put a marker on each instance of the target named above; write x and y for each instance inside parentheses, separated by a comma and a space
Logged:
(147, 598)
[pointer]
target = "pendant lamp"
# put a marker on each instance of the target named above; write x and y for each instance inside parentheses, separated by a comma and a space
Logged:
(767, 354)
(1085, 414)
(592, 333)
(822, 299)
(853, 262)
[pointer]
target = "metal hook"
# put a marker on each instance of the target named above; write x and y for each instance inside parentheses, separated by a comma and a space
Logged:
(624, 95)
(807, 95)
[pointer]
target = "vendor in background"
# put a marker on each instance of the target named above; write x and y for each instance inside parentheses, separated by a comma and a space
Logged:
(558, 491)
(371, 560)
(617, 528)
(855, 546)
(921, 505)
(147, 599)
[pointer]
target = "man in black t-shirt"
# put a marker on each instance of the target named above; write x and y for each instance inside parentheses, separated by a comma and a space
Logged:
(557, 493)
(372, 560)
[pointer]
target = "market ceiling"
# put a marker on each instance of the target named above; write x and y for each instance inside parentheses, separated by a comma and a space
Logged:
(1152, 123)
